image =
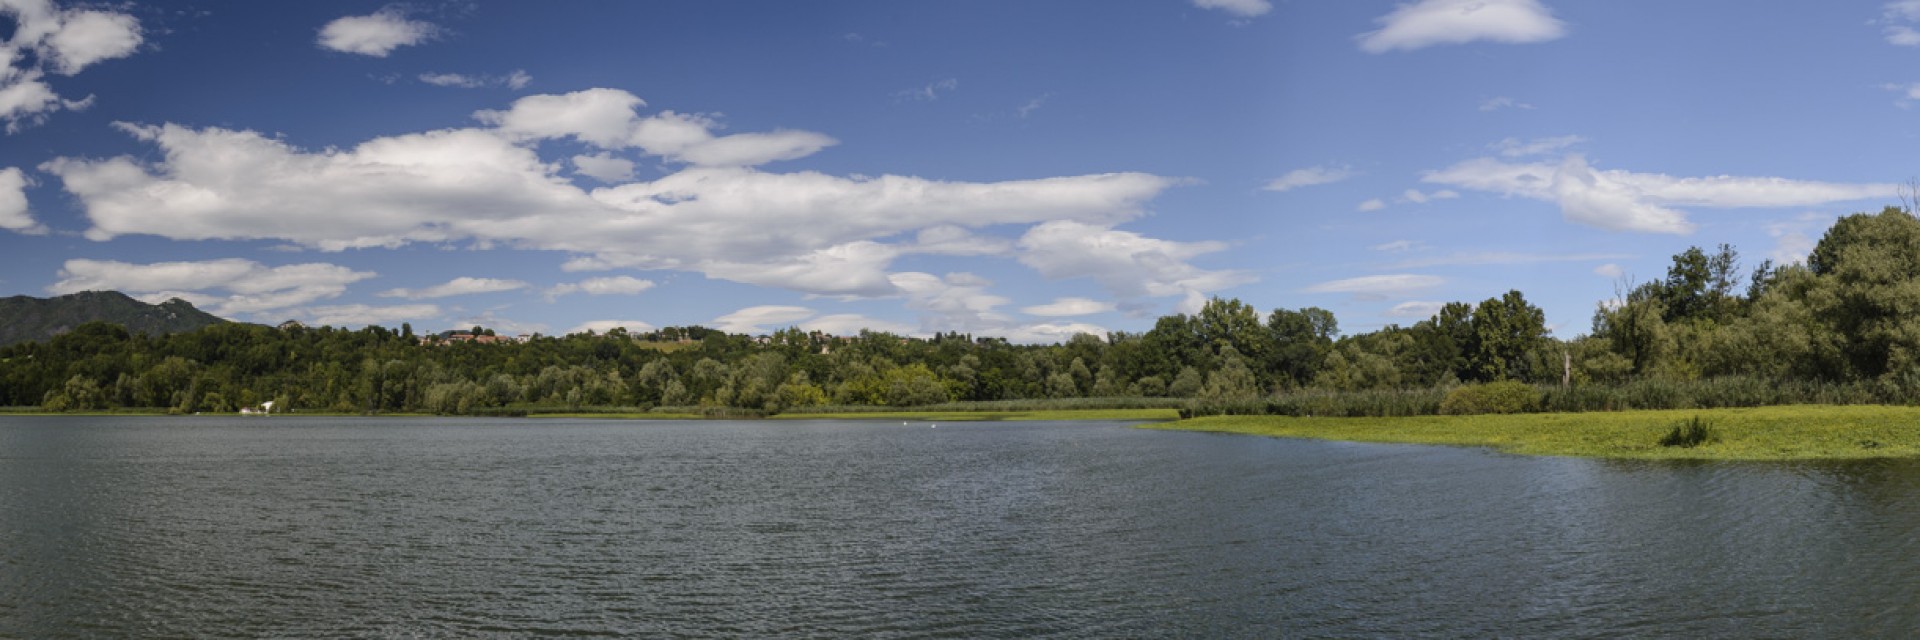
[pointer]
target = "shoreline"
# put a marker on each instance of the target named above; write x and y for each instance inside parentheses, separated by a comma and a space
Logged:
(1778, 433)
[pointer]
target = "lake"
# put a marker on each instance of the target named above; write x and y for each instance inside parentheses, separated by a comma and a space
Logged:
(301, 527)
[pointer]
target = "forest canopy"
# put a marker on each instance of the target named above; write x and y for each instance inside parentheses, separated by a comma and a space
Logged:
(1848, 317)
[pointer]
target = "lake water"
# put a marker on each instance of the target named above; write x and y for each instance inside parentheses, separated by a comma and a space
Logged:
(302, 527)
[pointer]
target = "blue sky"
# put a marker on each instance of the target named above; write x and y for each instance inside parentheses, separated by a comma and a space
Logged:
(1022, 169)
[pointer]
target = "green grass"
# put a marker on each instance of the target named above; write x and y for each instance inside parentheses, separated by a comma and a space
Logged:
(628, 415)
(975, 416)
(1793, 432)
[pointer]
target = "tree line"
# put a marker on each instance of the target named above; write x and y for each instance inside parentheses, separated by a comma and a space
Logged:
(1849, 315)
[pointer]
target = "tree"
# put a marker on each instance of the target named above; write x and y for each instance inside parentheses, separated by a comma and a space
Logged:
(1301, 340)
(1505, 329)
(1868, 266)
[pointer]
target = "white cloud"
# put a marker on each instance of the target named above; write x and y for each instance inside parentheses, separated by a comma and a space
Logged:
(1505, 258)
(516, 80)
(1241, 8)
(930, 92)
(1378, 287)
(604, 167)
(1374, 204)
(1415, 309)
(1396, 246)
(1126, 263)
(756, 320)
(1794, 239)
(47, 39)
(1414, 196)
(805, 231)
(603, 326)
(957, 302)
(1069, 307)
(1516, 148)
(251, 287)
(1901, 11)
(1503, 102)
(1032, 105)
(606, 118)
(375, 35)
(1609, 270)
(847, 324)
(1433, 22)
(1642, 202)
(14, 214)
(1903, 36)
(1053, 332)
(1908, 93)
(616, 285)
(1308, 177)
(358, 315)
(86, 37)
(456, 287)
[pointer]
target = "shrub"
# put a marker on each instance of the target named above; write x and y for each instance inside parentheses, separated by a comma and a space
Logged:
(1494, 397)
(1690, 433)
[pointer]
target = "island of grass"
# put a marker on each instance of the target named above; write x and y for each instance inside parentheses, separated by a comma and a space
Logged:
(1792, 432)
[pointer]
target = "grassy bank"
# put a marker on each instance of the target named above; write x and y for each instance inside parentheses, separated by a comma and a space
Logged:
(1794, 432)
(974, 416)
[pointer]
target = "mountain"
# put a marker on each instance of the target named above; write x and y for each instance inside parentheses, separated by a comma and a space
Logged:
(26, 319)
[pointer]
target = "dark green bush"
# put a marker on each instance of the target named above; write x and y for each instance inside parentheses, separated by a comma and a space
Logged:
(1506, 396)
(1690, 433)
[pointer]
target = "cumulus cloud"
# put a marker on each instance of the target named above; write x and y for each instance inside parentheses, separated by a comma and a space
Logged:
(250, 287)
(847, 324)
(1427, 23)
(756, 320)
(1609, 270)
(1240, 8)
(1371, 204)
(14, 215)
(49, 39)
(516, 80)
(1053, 332)
(603, 326)
(375, 35)
(1126, 263)
(606, 118)
(603, 167)
(805, 231)
(956, 302)
(1308, 177)
(1641, 202)
(456, 287)
(1504, 258)
(616, 285)
(360, 315)
(1378, 287)
(1415, 309)
(1069, 307)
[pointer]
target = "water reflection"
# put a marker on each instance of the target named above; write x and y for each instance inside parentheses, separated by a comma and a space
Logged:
(156, 527)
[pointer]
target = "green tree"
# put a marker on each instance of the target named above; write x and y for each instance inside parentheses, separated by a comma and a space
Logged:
(1505, 329)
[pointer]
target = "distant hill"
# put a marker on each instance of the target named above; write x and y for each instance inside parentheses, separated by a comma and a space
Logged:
(27, 319)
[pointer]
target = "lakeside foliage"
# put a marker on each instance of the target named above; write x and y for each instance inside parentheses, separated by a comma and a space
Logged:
(1840, 329)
